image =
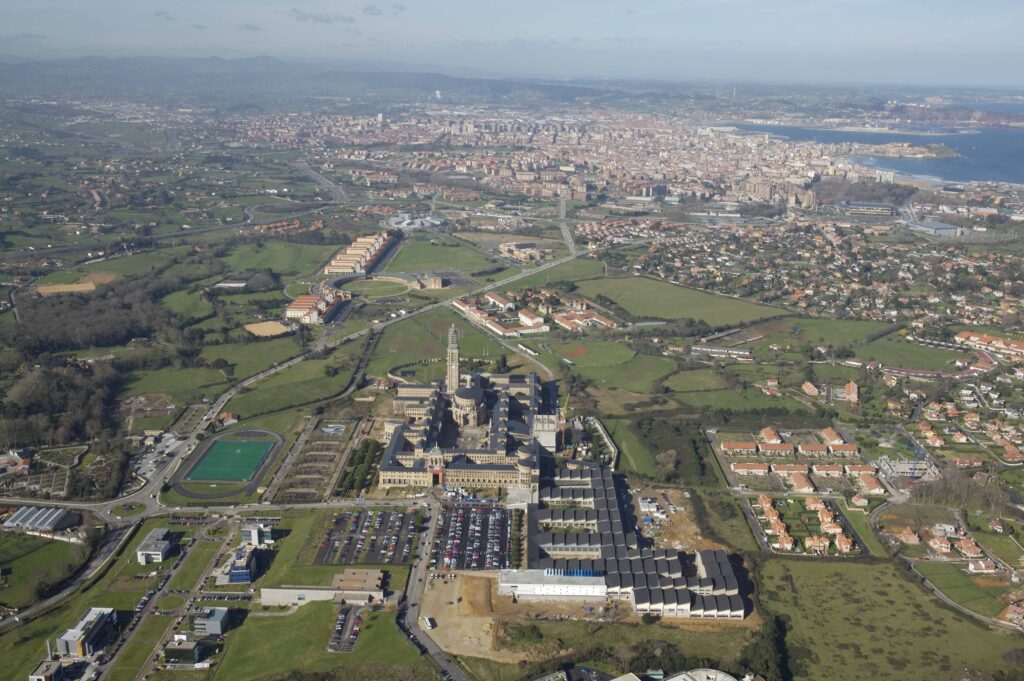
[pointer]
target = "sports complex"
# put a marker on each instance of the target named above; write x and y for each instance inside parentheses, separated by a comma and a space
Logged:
(235, 458)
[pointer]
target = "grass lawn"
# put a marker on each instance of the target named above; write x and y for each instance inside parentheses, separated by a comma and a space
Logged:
(633, 455)
(635, 375)
(963, 588)
(185, 386)
(645, 297)
(697, 380)
(187, 305)
(748, 399)
(138, 649)
(430, 252)
(199, 556)
(859, 520)
(891, 351)
(127, 510)
(574, 270)
(267, 646)
(26, 561)
(253, 357)
(870, 620)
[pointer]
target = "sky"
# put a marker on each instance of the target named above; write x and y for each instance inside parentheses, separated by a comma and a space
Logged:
(925, 42)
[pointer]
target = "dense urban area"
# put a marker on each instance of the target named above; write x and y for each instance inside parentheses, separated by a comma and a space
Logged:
(454, 378)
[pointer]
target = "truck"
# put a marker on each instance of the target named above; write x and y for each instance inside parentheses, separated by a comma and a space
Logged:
(429, 623)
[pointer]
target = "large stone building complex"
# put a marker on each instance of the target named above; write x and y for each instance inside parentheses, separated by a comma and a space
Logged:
(474, 430)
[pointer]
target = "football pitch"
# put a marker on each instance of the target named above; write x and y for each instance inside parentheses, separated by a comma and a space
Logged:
(231, 460)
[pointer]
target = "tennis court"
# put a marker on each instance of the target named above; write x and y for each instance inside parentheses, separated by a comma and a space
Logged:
(231, 460)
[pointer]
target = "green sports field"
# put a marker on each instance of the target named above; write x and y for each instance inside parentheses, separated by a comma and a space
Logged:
(231, 460)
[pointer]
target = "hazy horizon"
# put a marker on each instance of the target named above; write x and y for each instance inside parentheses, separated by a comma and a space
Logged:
(913, 42)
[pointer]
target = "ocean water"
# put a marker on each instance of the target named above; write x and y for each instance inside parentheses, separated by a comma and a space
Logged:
(988, 154)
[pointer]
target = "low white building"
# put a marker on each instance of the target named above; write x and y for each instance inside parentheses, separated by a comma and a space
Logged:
(550, 584)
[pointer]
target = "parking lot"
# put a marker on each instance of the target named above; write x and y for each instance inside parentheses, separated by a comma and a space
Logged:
(374, 537)
(472, 537)
(347, 627)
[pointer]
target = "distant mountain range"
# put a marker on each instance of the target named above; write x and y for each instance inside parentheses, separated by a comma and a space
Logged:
(257, 79)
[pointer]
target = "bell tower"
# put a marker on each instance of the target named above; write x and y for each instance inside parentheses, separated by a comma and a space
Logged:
(452, 377)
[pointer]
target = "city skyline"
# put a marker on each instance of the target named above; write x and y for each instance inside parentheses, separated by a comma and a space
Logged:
(860, 41)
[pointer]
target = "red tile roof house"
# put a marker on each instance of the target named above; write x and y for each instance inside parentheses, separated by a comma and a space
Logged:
(750, 468)
(844, 543)
(871, 484)
(783, 449)
(801, 483)
(844, 450)
(815, 450)
(832, 437)
(817, 544)
(813, 503)
(969, 548)
(940, 544)
(771, 436)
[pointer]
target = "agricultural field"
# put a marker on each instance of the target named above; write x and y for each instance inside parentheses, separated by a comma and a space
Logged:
(643, 297)
(27, 562)
(878, 623)
(977, 593)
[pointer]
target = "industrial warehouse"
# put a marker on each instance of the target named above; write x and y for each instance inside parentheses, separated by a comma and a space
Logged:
(582, 546)
(475, 430)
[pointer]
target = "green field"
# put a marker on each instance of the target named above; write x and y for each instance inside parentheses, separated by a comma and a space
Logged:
(634, 456)
(742, 400)
(891, 351)
(425, 337)
(231, 460)
(428, 253)
(282, 257)
(299, 384)
(26, 561)
(963, 588)
(252, 357)
(884, 624)
(696, 380)
(184, 385)
(794, 332)
(199, 556)
(645, 297)
(267, 646)
(187, 305)
(370, 288)
(135, 653)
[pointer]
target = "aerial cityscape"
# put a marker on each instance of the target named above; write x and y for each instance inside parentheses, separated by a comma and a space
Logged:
(511, 344)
